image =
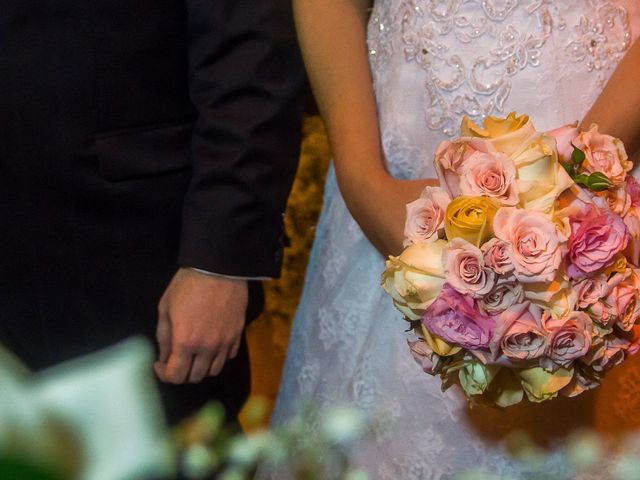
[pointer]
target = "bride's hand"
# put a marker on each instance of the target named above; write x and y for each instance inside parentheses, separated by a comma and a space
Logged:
(380, 209)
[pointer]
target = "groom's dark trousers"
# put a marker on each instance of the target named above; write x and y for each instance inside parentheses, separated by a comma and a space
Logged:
(137, 136)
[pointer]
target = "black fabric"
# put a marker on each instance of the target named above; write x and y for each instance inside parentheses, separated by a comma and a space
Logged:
(136, 136)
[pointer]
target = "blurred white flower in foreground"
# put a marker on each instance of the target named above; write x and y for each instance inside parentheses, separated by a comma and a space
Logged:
(94, 418)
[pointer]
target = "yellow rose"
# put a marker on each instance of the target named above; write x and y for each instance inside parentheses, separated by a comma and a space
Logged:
(540, 385)
(556, 296)
(438, 345)
(470, 218)
(541, 177)
(505, 135)
(618, 265)
(415, 278)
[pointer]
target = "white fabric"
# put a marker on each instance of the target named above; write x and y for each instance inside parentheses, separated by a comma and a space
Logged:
(433, 62)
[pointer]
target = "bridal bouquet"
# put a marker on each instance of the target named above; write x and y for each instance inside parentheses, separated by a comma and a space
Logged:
(520, 275)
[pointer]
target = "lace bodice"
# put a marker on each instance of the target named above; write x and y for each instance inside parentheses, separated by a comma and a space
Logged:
(434, 61)
(437, 61)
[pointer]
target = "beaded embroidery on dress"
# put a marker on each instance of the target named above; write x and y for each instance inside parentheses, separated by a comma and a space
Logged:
(434, 62)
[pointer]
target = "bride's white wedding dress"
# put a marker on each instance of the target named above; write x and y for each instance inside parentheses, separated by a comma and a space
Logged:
(433, 62)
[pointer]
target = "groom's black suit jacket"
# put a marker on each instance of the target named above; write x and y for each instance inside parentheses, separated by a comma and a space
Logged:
(137, 136)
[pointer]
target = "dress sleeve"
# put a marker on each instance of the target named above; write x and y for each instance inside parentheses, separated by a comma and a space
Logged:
(245, 80)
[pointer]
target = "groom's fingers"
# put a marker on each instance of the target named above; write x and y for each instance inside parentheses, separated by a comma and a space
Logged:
(218, 363)
(163, 336)
(201, 367)
(178, 366)
(233, 353)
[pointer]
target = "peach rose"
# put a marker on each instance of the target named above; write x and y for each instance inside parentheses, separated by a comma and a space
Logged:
(490, 175)
(606, 353)
(497, 255)
(519, 335)
(605, 154)
(423, 355)
(623, 299)
(591, 289)
(505, 293)
(465, 268)
(632, 221)
(564, 137)
(621, 305)
(425, 216)
(448, 161)
(536, 247)
(570, 337)
(584, 379)
(633, 189)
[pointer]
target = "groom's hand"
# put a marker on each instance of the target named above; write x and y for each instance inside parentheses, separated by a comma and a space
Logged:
(200, 323)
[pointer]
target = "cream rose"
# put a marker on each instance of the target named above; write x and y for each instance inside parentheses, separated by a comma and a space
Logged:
(415, 278)
(541, 178)
(555, 296)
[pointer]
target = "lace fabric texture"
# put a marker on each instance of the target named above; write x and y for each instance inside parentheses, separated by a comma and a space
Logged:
(433, 62)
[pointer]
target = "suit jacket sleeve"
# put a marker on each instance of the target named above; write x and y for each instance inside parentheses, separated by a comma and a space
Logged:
(245, 77)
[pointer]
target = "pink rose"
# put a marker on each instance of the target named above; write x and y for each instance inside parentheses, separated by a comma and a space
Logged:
(425, 216)
(497, 255)
(519, 335)
(536, 246)
(595, 239)
(633, 189)
(605, 154)
(591, 289)
(448, 161)
(570, 337)
(564, 138)
(622, 301)
(606, 353)
(490, 175)
(581, 382)
(465, 269)
(634, 339)
(505, 293)
(423, 356)
(632, 221)
(455, 318)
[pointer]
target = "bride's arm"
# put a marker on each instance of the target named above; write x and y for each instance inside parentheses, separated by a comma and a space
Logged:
(617, 109)
(332, 36)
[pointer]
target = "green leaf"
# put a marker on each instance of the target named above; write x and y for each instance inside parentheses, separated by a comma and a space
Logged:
(581, 179)
(598, 182)
(577, 156)
(569, 168)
